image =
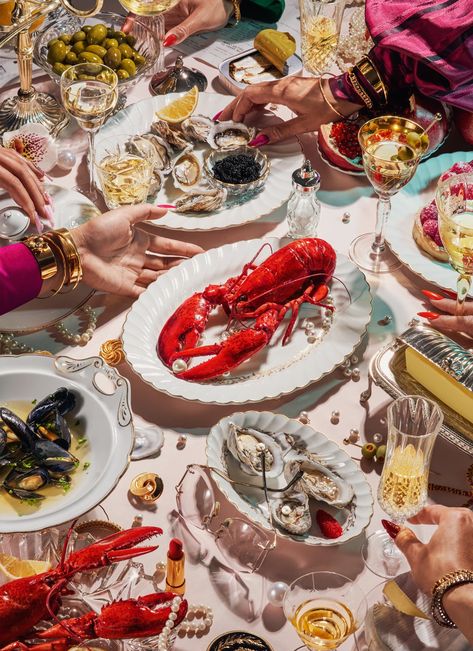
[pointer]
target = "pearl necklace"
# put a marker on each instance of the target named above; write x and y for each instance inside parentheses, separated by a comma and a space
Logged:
(186, 626)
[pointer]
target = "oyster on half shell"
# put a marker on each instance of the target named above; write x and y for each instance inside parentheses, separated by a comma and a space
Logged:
(230, 135)
(205, 201)
(197, 128)
(292, 513)
(186, 171)
(319, 483)
(139, 145)
(172, 137)
(248, 446)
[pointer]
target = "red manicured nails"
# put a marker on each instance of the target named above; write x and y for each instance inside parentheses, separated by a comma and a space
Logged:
(170, 40)
(432, 296)
(259, 141)
(431, 316)
(217, 115)
(392, 529)
(170, 206)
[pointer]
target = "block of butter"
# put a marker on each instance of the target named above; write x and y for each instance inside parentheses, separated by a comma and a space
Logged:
(442, 367)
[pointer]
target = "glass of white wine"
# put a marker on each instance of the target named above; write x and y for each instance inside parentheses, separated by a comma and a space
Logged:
(320, 29)
(392, 147)
(325, 608)
(454, 201)
(413, 425)
(89, 93)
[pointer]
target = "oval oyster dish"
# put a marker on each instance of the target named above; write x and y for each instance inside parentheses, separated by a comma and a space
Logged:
(305, 474)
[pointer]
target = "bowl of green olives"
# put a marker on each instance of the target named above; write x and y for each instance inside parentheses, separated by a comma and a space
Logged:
(71, 40)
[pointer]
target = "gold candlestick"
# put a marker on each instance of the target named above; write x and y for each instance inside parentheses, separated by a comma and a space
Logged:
(29, 105)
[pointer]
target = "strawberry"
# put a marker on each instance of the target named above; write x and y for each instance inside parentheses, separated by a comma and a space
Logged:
(429, 212)
(431, 229)
(328, 525)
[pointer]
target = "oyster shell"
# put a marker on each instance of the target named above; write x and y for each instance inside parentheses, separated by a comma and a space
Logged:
(172, 137)
(292, 512)
(230, 135)
(319, 482)
(247, 445)
(197, 128)
(186, 171)
(156, 183)
(162, 150)
(205, 201)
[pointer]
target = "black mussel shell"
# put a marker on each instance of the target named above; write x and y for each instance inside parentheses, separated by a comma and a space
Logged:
(3, 440)
(25, 434)
(27, 480)
(57, 431)
(21, 494)
(54, 457)
(61, 400)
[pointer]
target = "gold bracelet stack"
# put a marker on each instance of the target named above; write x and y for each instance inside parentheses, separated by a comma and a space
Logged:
(57, 258)
(370, 73)
(359, 90)
(443, 585)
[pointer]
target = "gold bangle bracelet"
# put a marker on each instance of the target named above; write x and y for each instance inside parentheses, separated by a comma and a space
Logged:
(362, 94)
(442, 586)
(72, 256)
(370, 72)
(44, 256)
(62, 266)
(329, 104)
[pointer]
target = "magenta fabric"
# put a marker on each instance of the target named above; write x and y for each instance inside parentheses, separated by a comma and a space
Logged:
(20, 277)
(427, 45)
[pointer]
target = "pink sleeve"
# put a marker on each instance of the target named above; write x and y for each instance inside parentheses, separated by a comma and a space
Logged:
(20, 277)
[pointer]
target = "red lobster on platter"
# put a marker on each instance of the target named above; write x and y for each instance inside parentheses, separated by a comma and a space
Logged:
(27, 601)
(296, 274)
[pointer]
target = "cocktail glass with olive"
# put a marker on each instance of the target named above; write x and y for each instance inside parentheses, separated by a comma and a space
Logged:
(89, 92)
(392, 147)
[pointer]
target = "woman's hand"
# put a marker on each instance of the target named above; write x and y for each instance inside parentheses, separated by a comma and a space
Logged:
(194, 16)
(121, 259)
(23, 182)
(448, 321)
(300, 94)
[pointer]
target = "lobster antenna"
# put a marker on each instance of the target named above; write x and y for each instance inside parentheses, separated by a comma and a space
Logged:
(263, 246)
(52, 593)
(66, 545)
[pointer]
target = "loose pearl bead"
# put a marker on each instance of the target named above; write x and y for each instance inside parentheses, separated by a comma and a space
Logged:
(377, 438)
(178, 366)
(276, 593)
(66, 159)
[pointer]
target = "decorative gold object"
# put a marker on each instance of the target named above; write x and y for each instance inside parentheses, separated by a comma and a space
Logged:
(29, 105)
(147, 486)
(111, 351)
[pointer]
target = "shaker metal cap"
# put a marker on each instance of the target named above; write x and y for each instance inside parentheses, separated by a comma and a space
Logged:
(306, 177)
(177, 80)
(13, 223)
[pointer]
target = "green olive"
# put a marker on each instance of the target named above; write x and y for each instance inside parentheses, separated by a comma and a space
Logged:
(106, 76)
(86, 28)
(413, 139)
(113, 58)
(59, 68)
(129, 66)
(127, 52)
(79, 36)
(97, 34)
(52, 41)
(405, 153)
(79, 47)
(57, 52)
(96, 49)
(83, 77)
(66, 38)
(130, 39)
(110, 31)
(89, 57)
(110, 42)
(71, 58)
(120, 36)
(424, 140)
(139, 59)
(368, 450)
(122, 74)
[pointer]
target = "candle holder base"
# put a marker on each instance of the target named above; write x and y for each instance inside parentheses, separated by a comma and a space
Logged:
(33, 106)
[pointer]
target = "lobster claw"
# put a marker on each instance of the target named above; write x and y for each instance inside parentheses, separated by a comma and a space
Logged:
(114, 548)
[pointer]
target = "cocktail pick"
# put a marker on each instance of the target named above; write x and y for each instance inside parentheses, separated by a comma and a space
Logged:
(437, 118)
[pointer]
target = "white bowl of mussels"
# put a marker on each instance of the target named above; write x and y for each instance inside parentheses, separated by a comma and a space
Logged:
(65, 437)
(305, 473)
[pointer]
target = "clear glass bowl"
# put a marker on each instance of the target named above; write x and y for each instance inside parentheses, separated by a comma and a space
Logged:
(238, 189)
(147, 42)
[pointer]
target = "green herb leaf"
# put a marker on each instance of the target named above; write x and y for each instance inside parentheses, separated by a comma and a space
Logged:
(86, 465)
(33, 402)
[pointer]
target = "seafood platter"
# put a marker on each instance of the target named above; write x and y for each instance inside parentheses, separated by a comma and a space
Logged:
(316, 493)
(287, 313)
(205, 168)
(57, 427)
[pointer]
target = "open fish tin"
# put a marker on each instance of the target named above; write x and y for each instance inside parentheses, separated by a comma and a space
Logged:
(251, 67)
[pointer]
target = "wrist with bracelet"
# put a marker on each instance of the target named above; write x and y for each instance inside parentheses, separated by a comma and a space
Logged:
(367, 83)
(58, 260)
(236, 12)
(441, 588)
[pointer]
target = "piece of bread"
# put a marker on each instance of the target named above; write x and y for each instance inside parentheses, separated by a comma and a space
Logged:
(426, 243)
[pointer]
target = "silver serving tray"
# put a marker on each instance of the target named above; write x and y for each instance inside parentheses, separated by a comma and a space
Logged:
(382, 373)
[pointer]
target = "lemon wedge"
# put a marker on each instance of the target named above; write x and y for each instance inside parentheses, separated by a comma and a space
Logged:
(14, 568)
(180, 108)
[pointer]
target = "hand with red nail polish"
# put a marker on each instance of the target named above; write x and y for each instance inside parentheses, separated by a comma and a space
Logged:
(260, 140)
(450, 548)
(431, 316)
(193, 17)
(448, 321)
(22, 180)
(392, 529)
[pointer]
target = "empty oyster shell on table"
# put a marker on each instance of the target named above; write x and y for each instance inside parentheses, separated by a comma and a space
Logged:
(173, 137)
(197, 128)
(186, 171)
(163, 152)
(291, 512)
(248, 446)
(319, 482)
(230, 135)
(200, 202)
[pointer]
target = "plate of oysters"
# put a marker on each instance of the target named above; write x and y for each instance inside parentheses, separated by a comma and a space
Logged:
(205, 168)
(310, 480)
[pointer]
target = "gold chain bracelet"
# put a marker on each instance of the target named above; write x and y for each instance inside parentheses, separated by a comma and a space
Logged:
(362, 94)
(441, 587)
(236, 12)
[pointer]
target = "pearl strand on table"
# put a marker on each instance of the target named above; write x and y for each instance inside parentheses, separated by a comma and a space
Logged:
(186, 626)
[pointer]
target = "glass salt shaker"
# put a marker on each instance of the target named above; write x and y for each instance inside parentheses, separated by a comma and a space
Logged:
(303, 207)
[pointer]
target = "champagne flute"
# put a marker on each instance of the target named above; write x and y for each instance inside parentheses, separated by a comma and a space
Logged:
(454, 201)
(325, 608)
(392, 147)
(413, 425)
(89, 93)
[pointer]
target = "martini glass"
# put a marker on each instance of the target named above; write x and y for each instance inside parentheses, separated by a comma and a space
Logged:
(392, 147)
(454, 201)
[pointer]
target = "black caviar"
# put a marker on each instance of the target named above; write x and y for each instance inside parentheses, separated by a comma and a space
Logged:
(237, 168)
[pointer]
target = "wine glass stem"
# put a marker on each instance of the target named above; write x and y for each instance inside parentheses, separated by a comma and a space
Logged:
(463, 287)
(91, 137)
(383, 209)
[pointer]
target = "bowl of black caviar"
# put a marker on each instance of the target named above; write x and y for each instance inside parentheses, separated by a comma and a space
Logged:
(239, 171)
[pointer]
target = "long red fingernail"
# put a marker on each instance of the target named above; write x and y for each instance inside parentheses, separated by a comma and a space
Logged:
(217, 115)
(165, 205)
(450, 294)
(392, 529)
(428, 315)
(432, 295)
(259, 141)
(170, 40)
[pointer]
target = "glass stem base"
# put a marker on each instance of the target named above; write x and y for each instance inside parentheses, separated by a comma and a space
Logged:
(382, 557)
(371, 256)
